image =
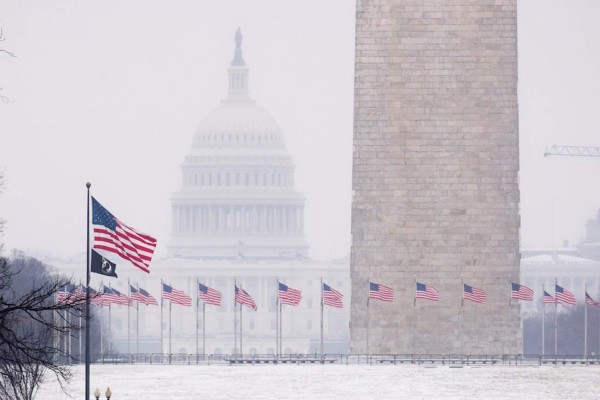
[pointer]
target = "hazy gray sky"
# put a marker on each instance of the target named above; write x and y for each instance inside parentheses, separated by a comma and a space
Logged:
(112, 92)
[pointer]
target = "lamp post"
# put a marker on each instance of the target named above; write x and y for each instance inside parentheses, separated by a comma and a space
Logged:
(108, 393)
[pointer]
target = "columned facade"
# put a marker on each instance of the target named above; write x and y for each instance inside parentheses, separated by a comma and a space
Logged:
(237, 198)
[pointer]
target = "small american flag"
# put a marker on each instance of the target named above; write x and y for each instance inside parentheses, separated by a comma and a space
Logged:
(473, 294)
(426, 292)
(114, 236)
(563, 295)
(521, 292)
(590, 301)
(332, 297)
(123, 299)
(95, 297)
(548, 299)
(65, 293)
(290, 296)
(244, 298)
(209, 295)
(380, 292)
(144, 297)
(176, 296)
(109, 297)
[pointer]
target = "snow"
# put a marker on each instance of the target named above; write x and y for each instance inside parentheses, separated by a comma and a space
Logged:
(254, 382)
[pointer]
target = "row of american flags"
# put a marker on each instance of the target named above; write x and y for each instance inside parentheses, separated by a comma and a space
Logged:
(518, 292)
(290, 296)
(107, 296)
(113, 236)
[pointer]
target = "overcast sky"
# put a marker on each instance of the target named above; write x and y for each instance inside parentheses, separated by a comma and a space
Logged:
(112, 92)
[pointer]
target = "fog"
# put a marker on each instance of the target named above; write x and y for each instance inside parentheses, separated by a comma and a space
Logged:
(111, 92)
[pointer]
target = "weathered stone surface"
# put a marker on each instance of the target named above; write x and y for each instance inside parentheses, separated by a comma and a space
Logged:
(435, 174)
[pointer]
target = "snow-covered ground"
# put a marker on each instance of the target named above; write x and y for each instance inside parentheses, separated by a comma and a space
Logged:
(282, 382)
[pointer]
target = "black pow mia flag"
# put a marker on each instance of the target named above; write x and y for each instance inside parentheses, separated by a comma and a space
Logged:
(102, 266)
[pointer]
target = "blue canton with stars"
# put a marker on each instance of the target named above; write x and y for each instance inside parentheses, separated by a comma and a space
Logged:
(101, 216)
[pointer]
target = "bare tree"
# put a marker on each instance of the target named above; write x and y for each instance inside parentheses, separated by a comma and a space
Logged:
(3, 98)
(30, 321)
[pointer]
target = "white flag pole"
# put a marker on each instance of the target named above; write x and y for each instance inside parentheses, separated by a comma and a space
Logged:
(555, 320)
(137, 323)
(128, 319)
(170, 309)
(543, 320)
(322, 320)
(277, 321)
(462, 302)
(585, 325)
(509, 309)
(367, 321)
(197, 315)
(234, 317)
(161, 320)
(109, 324)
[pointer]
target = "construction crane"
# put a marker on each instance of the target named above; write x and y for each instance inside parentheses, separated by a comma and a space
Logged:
(573, 151)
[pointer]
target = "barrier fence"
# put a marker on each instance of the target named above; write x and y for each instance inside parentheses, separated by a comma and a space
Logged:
(451, 360)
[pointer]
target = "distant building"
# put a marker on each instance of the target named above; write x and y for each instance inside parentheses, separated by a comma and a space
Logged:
(590, 246)
(540, 272)
(435, 174)
(237, 218)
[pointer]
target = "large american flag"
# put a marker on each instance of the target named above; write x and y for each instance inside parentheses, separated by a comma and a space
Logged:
(562, 295)
(426, 292)
(548, 299)
(380, 292)
(114, 236)
(244, 298)
(521, 292)
(332, 297)
(473, 294)
(590, 301)
(290, 296)
(209, 295)
(176, 296)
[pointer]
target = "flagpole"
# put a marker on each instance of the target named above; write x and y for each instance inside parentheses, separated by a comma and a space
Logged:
(543, 319)
(509, 306)
(280, 327)
(79, 335)
(87, 299)
(109, 323)
(137, 323)
(234, 317)
(585, 324)
(162, 287)
(555, 320)
(197, 315)
(462, 303)
(203, 329)
(414, 346)
(241, 331)
(277, 316)
(170, 312)
(102, 330)
(368, 301)
(321, 319)
(128, 318)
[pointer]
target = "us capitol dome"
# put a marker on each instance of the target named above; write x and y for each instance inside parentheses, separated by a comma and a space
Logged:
(237, 198)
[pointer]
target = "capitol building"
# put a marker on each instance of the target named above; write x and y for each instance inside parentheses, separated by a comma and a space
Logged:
(237, 219)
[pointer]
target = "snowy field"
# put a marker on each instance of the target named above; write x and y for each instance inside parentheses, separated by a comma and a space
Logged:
(282, 382)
